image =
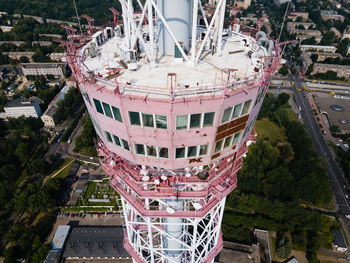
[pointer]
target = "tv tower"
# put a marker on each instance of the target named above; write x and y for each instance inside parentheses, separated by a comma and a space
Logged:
(173, 96)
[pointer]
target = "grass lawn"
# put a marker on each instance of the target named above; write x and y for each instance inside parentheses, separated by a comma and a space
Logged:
(63, 170)
(267, 129)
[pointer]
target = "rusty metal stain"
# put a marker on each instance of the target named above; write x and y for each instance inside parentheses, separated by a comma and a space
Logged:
(195, 160)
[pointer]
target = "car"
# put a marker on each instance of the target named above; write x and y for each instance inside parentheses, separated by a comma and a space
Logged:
(91, 158)
(347, 216)
(346, 145)
(59, 140)
(69, 141)
(346, 196)
(340, 140)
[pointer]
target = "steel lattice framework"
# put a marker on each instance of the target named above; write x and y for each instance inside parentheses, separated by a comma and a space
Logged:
(172, 208)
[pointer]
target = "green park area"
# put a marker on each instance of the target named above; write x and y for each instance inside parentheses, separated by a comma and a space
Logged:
(281, 174)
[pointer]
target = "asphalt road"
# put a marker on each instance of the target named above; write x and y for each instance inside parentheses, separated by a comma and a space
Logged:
(335, 177)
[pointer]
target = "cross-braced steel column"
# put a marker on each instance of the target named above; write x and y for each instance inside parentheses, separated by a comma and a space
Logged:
(195, 240)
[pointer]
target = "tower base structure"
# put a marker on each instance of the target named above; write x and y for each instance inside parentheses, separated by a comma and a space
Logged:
(171, 218)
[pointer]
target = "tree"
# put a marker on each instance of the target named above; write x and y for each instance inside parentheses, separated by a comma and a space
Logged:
(283, 70)
(24, 59)
(334, 129)
(314, 57)
(283, 245)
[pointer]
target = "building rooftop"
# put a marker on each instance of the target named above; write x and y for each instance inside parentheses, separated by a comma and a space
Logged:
(20, 102)
(52, 256)
(42, 65)
(50, 111)
(95, 241)
(59, 238)
(338, 239)
(240, 53)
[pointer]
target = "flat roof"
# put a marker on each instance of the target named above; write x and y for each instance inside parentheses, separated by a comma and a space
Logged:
(339, 239)
(52, 256)
(20, 102)
(42, 65)
(95, 241)
(244, 61)
(60, 237)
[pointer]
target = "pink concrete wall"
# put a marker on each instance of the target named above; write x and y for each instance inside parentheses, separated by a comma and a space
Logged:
(170, 138)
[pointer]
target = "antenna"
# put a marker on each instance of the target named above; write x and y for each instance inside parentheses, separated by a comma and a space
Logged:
(284, 19)
(76, 12)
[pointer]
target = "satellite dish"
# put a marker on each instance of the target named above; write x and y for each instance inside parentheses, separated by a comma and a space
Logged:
(197, 206)
(188, 175)
(244, 155)
(170, 210)
(248, 143)
(156, 181)
(145, 178)
(112, 163)
(163, 177)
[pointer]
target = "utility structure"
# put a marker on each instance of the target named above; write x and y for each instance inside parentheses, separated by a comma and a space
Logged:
(173, 96)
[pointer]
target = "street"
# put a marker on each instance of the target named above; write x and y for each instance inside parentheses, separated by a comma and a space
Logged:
(335, 177)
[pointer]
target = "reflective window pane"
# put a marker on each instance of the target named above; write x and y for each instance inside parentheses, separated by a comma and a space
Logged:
(151, 151)
(226, 115)
(246, 107)
(117, 115)
(208, 119)
(227, 142)
(218, 146)
(195, 120)
(147, 120)
(116, 140)
(235, 138)
(98, 106)
(126, 145)
(161, 122)
(236, 111)
(139, 149)
(107, 109)
(192, 151)
(203, 150)
(180, 152)
(108, 136)
(181, 122)
(163, 152)
(134, 118)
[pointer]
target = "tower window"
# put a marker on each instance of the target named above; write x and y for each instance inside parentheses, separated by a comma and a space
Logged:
(98, 106)
(147, 120)
(180, 152)
(208, 119)
(161, 122)
(181, 122)
(195, 120)
(117, 115)
(134, 118)
(246, 107)
(107, 110)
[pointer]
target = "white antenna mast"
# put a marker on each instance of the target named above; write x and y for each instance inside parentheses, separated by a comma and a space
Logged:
(76, 12)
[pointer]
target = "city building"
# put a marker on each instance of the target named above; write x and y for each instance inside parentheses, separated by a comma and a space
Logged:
(339, 241)
(56, 69)
(47, 116)
(296, 25)
(18, 55)
(95, 244)
(331, 15)
(244, 4)
(6, 28)
(321, 56)
(174, 114)
(336, 32)
(328, 49)
(295, 14)
(58, 57)
(341, 70)
(22, 106)
(346, 33)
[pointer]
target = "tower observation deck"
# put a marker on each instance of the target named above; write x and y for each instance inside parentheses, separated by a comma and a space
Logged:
(173, 96)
